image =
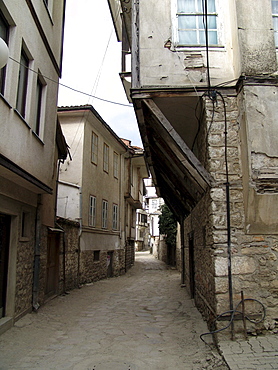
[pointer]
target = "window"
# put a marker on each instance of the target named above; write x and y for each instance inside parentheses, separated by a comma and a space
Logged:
(191, 22)
(115, 217)
(105, 157)
(96, 256)
(116, 165)
(274, 4)
(92, 211)
(104, 214)
(4, 34)
(39, 105)
(22, 84)
(94, 148)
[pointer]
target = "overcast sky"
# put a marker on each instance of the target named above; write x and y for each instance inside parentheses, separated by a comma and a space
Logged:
(92, 62)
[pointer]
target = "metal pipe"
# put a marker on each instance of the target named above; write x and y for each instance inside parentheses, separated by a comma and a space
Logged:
(37, 253)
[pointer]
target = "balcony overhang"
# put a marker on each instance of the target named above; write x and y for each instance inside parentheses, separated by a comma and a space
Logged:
(135, 203)
(178, 175)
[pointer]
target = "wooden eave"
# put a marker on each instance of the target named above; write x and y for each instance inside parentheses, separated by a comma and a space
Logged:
(177, 172)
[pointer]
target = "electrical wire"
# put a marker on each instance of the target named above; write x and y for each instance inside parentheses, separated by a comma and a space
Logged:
(71, 88)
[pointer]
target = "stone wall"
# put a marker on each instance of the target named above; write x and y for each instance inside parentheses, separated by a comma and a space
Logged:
(24, 271)
(254, 257)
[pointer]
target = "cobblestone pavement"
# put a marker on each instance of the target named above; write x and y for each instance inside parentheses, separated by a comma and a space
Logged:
(255, 353)
(142, 320)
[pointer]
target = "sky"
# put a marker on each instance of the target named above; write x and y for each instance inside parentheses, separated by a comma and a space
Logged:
(92, 63)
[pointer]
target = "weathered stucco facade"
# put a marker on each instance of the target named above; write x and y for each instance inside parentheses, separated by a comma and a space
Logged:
(207, 113)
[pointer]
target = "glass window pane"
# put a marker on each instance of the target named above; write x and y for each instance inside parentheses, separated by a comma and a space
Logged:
(212, 36)
(186, 6)
(211, 6)
(274, 6)
(211, 22)
(275, 23)
(276, 38)
(187, 22)
(188, 37)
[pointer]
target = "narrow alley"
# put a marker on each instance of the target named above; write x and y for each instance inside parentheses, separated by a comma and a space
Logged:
(142, 320)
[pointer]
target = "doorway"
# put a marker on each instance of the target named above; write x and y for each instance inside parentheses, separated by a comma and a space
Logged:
(191, 265)
(5, 226)
(52, 266)
(109, 264)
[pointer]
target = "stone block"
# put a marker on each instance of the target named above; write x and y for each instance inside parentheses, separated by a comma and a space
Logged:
(240, 265)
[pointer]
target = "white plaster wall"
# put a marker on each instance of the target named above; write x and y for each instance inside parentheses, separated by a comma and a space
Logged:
(160, 66)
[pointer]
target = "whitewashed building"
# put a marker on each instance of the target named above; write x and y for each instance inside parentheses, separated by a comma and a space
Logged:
(30, 144)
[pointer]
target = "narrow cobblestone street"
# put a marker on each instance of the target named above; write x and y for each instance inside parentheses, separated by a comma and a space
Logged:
(142, 320)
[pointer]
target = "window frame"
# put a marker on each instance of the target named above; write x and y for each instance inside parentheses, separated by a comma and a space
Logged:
(104, 218)
(198, 30)
(22, 85)
(105, 157)
(92, 211)
(275, 16)
(116, 165)
(94, 148)
(40, 105)
(115, 217)
(6, 39)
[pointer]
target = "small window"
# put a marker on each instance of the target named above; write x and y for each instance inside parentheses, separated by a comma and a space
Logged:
(116, 165)
(92, 211)
(115, 217)
(25, 224)
(39, 105)
(104, 214)
(94, 148)
(191, 22)
(105, 157)
(22, 84)
(4, 34)
(96, 256)
(274, 4)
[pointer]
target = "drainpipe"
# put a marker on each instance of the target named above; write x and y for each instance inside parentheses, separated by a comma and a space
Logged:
(182, 253)
(37, 253)
(79, 237)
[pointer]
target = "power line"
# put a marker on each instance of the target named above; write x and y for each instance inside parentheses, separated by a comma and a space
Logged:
(72, 88)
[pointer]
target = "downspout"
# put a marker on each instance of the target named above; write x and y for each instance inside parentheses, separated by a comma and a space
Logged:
(182, 253)
(79, 237)
(37, 254)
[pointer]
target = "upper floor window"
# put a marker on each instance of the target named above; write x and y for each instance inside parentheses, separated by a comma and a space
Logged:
(274, 4)
(39, 104)
(4, 34)
(104, 214)
(191, 22)
(115, 217)
(92, 211)
(94, 148)
(105, 157)
(116, 165)
(22, 84)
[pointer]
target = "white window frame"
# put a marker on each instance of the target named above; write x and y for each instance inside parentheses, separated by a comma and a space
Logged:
(92, 211)
(40, 106)
(116, 165)
(275, 17)
(105, 157)
(175, 16)
(94, 153)
(115, 216)
(104, 213)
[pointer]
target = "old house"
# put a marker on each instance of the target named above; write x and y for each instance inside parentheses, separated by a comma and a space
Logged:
(203, 81)
(101, 187)
(30, 145)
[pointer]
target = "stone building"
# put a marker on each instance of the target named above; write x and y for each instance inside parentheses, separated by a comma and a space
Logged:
(100, 186)
(204, 87)
(31, 143)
